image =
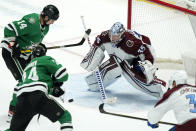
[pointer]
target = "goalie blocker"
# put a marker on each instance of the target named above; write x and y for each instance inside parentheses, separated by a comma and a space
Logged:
(114, 68)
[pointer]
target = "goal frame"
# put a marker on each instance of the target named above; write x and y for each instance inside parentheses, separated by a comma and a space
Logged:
(183, 63)
(159, 2)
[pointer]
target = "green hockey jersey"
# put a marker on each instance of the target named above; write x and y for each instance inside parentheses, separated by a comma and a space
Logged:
(28, 31)
(37, 75)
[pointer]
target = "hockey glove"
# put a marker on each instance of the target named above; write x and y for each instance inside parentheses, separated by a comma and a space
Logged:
(11, 45)
(57, 91)
(153, 125)
(57, 83)
(148, 69)
(43, 46)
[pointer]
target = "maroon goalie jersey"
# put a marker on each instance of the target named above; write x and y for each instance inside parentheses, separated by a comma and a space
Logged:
(131, 46)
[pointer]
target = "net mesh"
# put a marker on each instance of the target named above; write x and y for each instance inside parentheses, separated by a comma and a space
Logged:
(170, 30)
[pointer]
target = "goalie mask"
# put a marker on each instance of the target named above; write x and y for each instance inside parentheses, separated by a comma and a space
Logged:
(180, 77)
(116, 31)
(38, 51)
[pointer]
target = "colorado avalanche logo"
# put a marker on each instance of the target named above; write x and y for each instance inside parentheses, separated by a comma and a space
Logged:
(129, 43)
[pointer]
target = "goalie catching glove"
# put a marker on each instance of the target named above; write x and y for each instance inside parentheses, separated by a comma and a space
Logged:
(57, 91)
(148, 69)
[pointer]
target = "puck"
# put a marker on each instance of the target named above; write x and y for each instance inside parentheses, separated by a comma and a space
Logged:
(70, 100)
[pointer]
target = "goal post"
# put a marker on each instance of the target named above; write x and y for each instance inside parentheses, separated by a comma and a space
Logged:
(170, 26)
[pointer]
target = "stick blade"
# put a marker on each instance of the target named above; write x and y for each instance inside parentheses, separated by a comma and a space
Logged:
(101, 106)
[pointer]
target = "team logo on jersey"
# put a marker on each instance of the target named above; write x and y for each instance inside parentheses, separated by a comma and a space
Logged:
(32, 20)
(129, 43)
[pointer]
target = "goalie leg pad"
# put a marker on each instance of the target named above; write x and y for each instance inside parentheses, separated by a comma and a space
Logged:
(110, 71)
(154, 88)
(91, 81)
(93, 59)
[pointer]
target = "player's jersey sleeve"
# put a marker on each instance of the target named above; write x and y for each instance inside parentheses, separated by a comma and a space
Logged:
(102, 38)
(59, 72)
(146, 40)
(146, 43)
(159, 111)
(148, 54)
(163, 106)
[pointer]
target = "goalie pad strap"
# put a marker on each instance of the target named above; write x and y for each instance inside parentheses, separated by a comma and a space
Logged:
(111, 66)
(109, 71)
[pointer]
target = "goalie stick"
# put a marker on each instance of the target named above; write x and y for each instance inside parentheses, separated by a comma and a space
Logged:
(105, 99)
(87, 32)
(101, 109)
(84, 25)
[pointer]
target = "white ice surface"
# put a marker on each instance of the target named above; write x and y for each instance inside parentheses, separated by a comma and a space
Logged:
(99, 15)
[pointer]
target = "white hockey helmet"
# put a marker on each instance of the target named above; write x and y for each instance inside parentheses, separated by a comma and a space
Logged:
(180, 77)
(116, 32)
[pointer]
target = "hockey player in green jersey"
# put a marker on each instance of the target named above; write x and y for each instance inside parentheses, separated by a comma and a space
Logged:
(42, 76)
(19, 38)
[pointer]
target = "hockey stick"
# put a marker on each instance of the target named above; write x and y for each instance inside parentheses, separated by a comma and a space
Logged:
(62, 97)
(84, 25)
(102, 89)
(101, 109)
(87, 32)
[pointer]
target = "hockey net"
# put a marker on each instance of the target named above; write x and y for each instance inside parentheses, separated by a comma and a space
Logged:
(168, 24)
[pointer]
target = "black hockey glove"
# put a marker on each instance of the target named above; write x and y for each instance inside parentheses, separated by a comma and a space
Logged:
(43, 46)
(57, 91)
(16, 51)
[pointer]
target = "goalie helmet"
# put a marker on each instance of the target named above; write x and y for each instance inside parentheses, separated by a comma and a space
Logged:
(51, 11)
(38, 51)
(116, 31)
(180, 77)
